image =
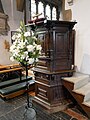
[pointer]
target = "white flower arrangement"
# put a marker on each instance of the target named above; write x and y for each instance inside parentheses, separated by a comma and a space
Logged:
(26, 47)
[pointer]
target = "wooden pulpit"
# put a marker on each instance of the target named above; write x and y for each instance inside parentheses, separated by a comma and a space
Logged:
(57, 39)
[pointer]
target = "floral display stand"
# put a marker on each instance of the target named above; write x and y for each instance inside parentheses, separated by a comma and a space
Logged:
(26, 49)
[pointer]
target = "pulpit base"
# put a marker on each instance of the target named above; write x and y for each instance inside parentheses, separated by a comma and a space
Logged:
(50, 108)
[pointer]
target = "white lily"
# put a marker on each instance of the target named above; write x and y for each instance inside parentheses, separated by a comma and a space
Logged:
(27, 34)
(24, 48)
(30, 48)
(31, 61)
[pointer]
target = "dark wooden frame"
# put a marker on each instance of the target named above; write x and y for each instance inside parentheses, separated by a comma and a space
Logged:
(12, 33)
(57, 6)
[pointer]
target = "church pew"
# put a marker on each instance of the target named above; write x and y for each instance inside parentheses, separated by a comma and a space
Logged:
(15, 90)
(11, 70)
(13, 87)
(13, 81)
(9, 66)
(7, 72)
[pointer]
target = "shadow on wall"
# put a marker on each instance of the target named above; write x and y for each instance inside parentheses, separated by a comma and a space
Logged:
(85, 65)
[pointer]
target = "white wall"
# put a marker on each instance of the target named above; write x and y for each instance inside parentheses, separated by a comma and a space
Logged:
(80, 13)
(15, 17)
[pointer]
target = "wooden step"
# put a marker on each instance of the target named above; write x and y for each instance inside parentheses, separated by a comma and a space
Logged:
(87, 103)
(84, 91)
(79, 87)
(86, 107)
(76, 81)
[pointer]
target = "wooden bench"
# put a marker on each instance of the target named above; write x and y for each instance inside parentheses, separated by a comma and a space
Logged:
(11, 70)
(9, 66)
(14, 87)
(15, 90)
(7, 71)
(14, 81)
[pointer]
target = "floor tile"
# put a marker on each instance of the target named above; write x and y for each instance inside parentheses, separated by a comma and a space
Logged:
(14, 109)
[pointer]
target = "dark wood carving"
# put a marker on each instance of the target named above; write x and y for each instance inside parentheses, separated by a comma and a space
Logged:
(55, 62)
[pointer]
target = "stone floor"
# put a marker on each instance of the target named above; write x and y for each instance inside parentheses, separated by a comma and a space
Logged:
(14, 109)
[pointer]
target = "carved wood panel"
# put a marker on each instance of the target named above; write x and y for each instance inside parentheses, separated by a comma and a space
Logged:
(57, 42)
(44, 37)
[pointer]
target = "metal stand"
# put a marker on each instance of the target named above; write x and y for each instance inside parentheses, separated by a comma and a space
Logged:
(27, 86)
(29, 113)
